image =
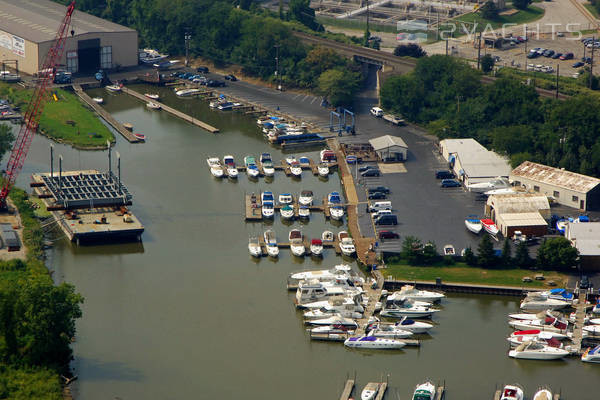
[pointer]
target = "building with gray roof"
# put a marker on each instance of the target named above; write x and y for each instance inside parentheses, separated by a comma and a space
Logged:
(390, 148)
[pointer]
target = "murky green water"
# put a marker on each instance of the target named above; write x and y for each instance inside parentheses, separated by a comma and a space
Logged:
(188, 314)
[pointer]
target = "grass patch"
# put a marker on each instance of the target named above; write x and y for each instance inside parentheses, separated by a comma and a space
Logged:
(566, 85)
(462, 273)
(40, 209)
(593, 10)
(532, 13)
(29, 383)
(33, 234)
(66, 120)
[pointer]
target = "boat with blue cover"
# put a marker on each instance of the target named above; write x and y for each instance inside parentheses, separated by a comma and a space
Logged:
(473, 224)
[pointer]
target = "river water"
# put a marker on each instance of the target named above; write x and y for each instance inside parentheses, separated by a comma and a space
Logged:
(188, 314)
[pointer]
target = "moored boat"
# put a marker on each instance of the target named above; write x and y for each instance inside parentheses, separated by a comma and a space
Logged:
(153, 106)
(534, 350)
(512, 392)
(215, 167)
(254, 247)
(98, 100)
(473, 224)
(424, 391)
(489, 226)
(268, 209)
(591, 355)
(304, 212)
(316, 247)
(251, 167)
(285, 198)
(271, 243)
(327, 236)
(296, 242)
(287, 212)
(140, 136)
(370, 391)
(295, 169)
(336, 212)
(543, 394)
(412, 293)
(323, 170)
(346, 244)
(341, 269)
(327, 155)
(372, 342)
(113, 88)
(229, 163)
(152, 96)
(306, 198)
(267, 164)
(406, 308)
(187, 92)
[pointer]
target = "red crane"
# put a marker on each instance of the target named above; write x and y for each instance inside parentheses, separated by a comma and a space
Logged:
(35, 107)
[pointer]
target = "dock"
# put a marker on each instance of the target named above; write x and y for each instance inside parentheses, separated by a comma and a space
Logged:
(580, 311)
(381, 391)
(440, 391)
(170, 110)
(348, 388)
(128, 135)
(253, 207)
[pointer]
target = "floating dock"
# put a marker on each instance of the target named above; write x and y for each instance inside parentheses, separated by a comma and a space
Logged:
(348, 388)
(170, 110)
(253, 208)
(580, 312)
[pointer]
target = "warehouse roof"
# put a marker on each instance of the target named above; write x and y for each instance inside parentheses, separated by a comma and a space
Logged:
(383, 142)
(475, 160)
(38, 20)
(518, 203)
(522, 219)
(556, 177)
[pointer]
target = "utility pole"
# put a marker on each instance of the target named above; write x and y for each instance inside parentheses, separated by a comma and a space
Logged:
(446, 46)
(479, 50)
(557, 73)
(592, 62)
(525, 64)
(278, 76)
(187, 37)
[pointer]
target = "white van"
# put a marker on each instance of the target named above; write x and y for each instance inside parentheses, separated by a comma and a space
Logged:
(377, 112)
(379, 213)
(380, 205)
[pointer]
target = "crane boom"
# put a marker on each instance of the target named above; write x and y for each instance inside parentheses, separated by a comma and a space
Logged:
(35, 107)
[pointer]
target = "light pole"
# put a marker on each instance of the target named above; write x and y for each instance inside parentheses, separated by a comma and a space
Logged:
(187, 37)
(277, 74)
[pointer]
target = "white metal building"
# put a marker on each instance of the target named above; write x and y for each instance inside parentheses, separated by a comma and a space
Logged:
(530, 224)
(390, 148)
(517, 204)
(585, 237)
(473, 163)
(566, 187)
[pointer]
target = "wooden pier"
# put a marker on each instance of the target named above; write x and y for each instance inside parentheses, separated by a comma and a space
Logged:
(253, 208)
(105, 115)
(440, 391)
(381, 391)
(348, 388)
(177, 113)
(580, 311)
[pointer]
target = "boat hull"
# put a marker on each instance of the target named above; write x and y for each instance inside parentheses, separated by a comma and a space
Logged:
(534, 355)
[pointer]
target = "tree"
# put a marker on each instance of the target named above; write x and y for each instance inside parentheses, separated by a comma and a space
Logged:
(489, 10)
(409, 50)
(521, 4)
(522, 258)
(485, 252)
(557, 253)
(470, 258)
(412, 250)
(430, 253)
(506, 258)
(487, 63)
(301, 11)
(6, 139)
(339, 86)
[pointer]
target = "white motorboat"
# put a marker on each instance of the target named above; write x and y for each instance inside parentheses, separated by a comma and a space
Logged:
(534, 350)
(512, 392)
(389, 331)
(332, 273)
(489, 226)
(372, 342)
(406, 308)
(591, 355)
(332, 329)
(287, 212)
(327, 155)
(153, 106)
(268, 209)
(593, 321)
(473, 224)
(150, 56)
(346, 244)
(113, 88)
(296, 242)
(535, 333)
(334, 320)
(316, 247)
(310, 292)
(410, 292)
(538, 301)
(349, 303)
(295, 169)
(285, 198)
(229, 163)
(405, 324)
(336, 212)
(327, 236)
(546, 338)
(152, 96)
(592, 330)
(267, 196)
(596, 309)
(559, 294)
(98, 100)
(251, 167)
(543, 394)
(254, 247)
(267, 164)
(215, 167)
(323, 170)
(424, 391)
(187, 92)
(536, 316)
(497, 183)
(306, 198)
(290, 159)
(304, 212)
(271, 243)
(547, 324)
(370, 391)
(325, 312)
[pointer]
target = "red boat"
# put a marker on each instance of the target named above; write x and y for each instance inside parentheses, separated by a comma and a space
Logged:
(140, 136)
(489, 226)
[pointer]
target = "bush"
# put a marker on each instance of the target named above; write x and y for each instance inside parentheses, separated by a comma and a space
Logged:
(409, 50)
(487, 63)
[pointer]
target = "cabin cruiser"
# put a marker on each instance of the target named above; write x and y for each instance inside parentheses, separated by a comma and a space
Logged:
(424, 391)
(535, 333)
(229, 164)
(512, 392)
(406, 308)
(285, 198)
(539, 315)
(332, 273)
(267, 164)
(410, 292)
(592, 330)
(306, 198)
(388, 331)
(536, 301)
(215, 167)
(304, 161)
(304, 212)
(473, 224)
(150, 56)
(327, 236)
(327, 156)
(316, 247)
(268, 209)
(325, 312)
(296, 241)
(534, 350)
(336, 212)
(323, 170)
(559, 294)
(226, 105)
(295, 169)
(152, 105)
(251, 167)
(334, 320)
(113, 88)
(370, 391)
(543, 394)
(489, 226)
(334, 198)
(290, 159)
(187, 92)
(497, 183)
(413, 326)
(313, 291)
(332, 329)
(591, 355)
(271, 243)
(254, 247)
(550, 324)
(372, 342)
(152, 96)
(267, 196)
(542, 338)
(346, 244)
(287, 212)
(349, 302)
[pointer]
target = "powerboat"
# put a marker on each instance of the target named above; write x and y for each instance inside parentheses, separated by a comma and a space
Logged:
(549, 324)
(489, 226)
(332, 329)
(150, 56)
(98, 100)
(271, 243)
(266, 196)
(473, 224)
(512, 392)
(306, 198)
(497, 183)
(251, 167)
(310, 292)
(388, 331)
(229, 164)
(268, 209)
(334, 198)
(405, 324)
(334, 320)
(296, 242)
(594, 321)
(327, 156)
(316, 247)
(290, 159)
(370, 391)
(406, 308)
(543, 394)
(225, 106)
(323, 170)
(336, 212)
(285, 198)
(304, 161)
(254, 247)
(346, 244)
(267, 164)
(287, 212)
(328, 311)
(113, 88)
(323, 273)
(596, 309)
(539, 315)
(327, 236)
(592, 330)
(140, 136)
(538, 301)
(534, 333)
(295, 169)
(534, 350)
(348, 303)
(411, 293)
(542, 337)
(152, 96)
(304, 212)
(215, 167)
(424, 391)
(559, 294)
(152, 105)
(372, 342)
(591, 355)
(187, 92)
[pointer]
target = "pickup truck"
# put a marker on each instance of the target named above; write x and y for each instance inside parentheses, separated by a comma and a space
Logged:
(393, 119)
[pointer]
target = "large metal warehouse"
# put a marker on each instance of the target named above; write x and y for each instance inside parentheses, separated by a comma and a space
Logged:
(566, 187)
(473, 163)
(28, 29)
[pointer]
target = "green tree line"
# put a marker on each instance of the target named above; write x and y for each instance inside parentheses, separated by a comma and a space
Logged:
(508, 116)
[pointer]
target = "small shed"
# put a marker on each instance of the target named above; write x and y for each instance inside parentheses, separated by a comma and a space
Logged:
(10, 238)
(530, 224)
(390, 148)
(585, 237)
(518, 203)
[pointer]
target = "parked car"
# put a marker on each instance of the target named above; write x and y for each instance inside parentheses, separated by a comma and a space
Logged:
(587, 60)
(386, 219)
(567, 56)
(367, 167)
(556, 56)
(444, 174)
(230, 77)
(215, 83)
(381, 189)
(202, 69)
(584, 283)
(388, 235)
(371, 172)
(377, 112)
(446, 183)
(377, 196)
(532, 54)
(549, 53)
(578, 64)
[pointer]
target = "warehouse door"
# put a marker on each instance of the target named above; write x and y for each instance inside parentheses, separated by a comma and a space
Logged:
(89, 55)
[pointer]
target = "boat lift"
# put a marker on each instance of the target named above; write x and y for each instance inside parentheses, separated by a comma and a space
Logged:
(345, 121)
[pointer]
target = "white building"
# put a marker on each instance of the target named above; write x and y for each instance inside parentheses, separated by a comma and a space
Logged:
(585, 237)
(390, 148)
(473, 163)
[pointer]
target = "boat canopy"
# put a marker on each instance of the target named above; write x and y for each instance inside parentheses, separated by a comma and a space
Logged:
(304, 160)
(407, 322)
(317, 242)
(595, 350)
(368, 339)
(287, 207)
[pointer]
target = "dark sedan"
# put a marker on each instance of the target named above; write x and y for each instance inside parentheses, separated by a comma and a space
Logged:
(388, 235)
(446, 183)
(377, 196)
(371, 172)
